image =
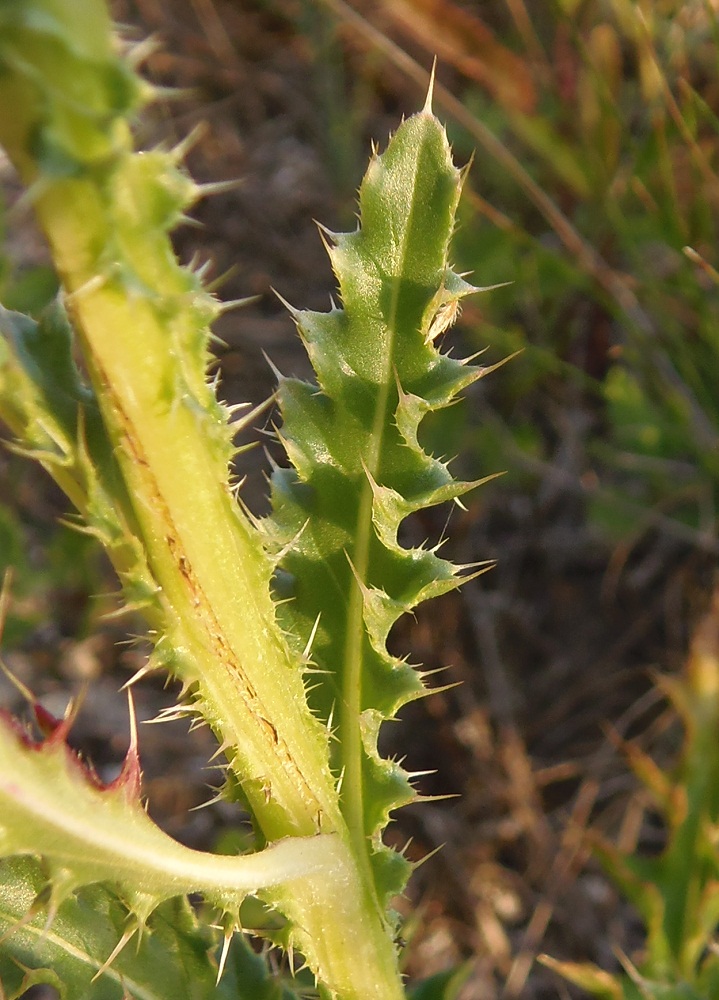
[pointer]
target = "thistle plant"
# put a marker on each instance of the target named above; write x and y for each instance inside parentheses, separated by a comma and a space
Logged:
(276, 628)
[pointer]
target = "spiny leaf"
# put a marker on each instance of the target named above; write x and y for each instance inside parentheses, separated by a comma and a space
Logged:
(55, 418)
(359, 468)
(172, 958)
(54, 807)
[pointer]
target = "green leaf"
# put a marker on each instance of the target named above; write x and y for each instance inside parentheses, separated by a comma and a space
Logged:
(173, 957)
(359, 468)
(53, 806)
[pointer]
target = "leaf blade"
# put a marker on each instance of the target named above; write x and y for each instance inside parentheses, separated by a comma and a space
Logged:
(359, 467)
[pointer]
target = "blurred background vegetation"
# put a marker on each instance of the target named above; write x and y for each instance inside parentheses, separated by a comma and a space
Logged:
(592, 132)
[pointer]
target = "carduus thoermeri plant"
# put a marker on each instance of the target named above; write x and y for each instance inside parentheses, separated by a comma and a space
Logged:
(276, 628)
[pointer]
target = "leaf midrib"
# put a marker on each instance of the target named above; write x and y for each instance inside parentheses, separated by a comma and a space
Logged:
(353, 791)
